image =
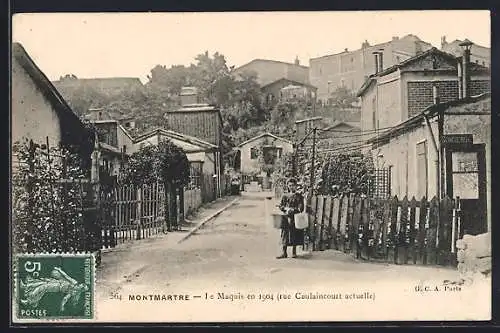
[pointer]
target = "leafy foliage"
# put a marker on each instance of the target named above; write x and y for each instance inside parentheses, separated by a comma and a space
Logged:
(164, 162)
(47, 213)
(347, 173)
(342, 98)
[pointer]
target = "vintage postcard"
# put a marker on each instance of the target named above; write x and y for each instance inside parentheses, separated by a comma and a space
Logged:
(251, 167)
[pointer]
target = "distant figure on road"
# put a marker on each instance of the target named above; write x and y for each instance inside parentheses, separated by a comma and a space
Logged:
(291, 203)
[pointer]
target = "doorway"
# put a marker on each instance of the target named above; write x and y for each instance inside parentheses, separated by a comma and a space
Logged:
(466, 180)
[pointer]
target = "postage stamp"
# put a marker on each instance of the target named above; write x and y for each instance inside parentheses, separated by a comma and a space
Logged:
(54, 286)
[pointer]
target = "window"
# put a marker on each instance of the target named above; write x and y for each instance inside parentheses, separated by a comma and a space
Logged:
(465, 174)
(254, 154)
(279, 152)
(195, 174)
(422, 173)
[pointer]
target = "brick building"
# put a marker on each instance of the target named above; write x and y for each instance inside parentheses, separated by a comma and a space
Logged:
(401, 91)
(431, 117)
(350, 68)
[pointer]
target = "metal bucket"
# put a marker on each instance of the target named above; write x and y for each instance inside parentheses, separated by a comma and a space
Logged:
(276, 219)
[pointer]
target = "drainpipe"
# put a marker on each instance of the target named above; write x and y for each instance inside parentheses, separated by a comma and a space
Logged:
(434, 144)
(436, 159)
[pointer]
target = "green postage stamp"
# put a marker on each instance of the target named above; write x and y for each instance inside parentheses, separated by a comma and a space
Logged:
(54, 286)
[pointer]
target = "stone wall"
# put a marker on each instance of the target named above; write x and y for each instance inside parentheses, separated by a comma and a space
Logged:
(474, 257)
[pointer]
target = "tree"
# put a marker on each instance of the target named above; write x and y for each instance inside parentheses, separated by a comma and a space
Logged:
(170, 80)
(283, 115)
(342, 98)
(83, 98)
(165, 163)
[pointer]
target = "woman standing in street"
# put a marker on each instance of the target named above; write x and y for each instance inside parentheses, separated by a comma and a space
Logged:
(291, 203)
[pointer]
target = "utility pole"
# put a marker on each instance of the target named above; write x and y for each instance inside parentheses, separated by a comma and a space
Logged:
(294, 161)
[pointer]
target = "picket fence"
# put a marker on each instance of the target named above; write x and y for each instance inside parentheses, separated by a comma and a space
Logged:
(132, 213)
(396, 231)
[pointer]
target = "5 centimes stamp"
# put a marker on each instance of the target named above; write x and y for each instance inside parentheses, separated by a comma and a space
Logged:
(54, 286)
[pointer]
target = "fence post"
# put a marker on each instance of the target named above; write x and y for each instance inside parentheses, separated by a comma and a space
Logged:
(138, 217)
(181, 204)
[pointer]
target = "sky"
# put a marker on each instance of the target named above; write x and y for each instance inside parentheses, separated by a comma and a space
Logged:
(95, 45)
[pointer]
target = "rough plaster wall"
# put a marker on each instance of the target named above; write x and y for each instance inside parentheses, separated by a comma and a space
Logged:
(33, 116)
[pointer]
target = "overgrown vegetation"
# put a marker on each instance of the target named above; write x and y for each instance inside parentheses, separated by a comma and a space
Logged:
(164, 163)
(46, 211)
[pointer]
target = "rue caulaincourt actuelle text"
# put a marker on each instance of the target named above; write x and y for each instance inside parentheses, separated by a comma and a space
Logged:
(238, 296)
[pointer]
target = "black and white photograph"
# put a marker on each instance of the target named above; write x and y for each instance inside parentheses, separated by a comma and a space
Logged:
(201, 167)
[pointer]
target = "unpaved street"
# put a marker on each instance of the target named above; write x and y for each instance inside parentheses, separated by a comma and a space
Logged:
(235, 254)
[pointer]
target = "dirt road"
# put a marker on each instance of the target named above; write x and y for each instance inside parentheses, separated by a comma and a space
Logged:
(233, 256)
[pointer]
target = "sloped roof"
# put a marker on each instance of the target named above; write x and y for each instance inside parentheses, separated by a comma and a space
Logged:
(403, 64)
(308, 119)
(265, 77)
(262, 135)
(50, 92)
(177, 136)
(41, 80)
(269, 61)
(354, 125)
(293, 82)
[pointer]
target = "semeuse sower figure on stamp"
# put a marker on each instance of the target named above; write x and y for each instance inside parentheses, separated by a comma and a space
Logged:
(59, 282)
(291, 203)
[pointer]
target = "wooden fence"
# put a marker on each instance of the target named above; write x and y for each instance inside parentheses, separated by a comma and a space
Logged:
(397, 231)
(139, 212)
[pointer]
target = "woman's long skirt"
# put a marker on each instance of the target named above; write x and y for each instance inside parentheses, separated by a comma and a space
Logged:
(290, 236)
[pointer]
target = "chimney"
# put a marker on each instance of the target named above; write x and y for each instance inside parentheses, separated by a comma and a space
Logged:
(460, 78)
(365, 44)
(435, 94)
(346, 50)
(381, 60)
(395, 38)
(189, 96)
(466, 46)
(297, 61)
(443, 42)
(375, 54)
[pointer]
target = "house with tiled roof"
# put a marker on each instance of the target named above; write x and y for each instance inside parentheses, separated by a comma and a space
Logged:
(201, 154)
(40, 113)
(430, 124)
(269, 71)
